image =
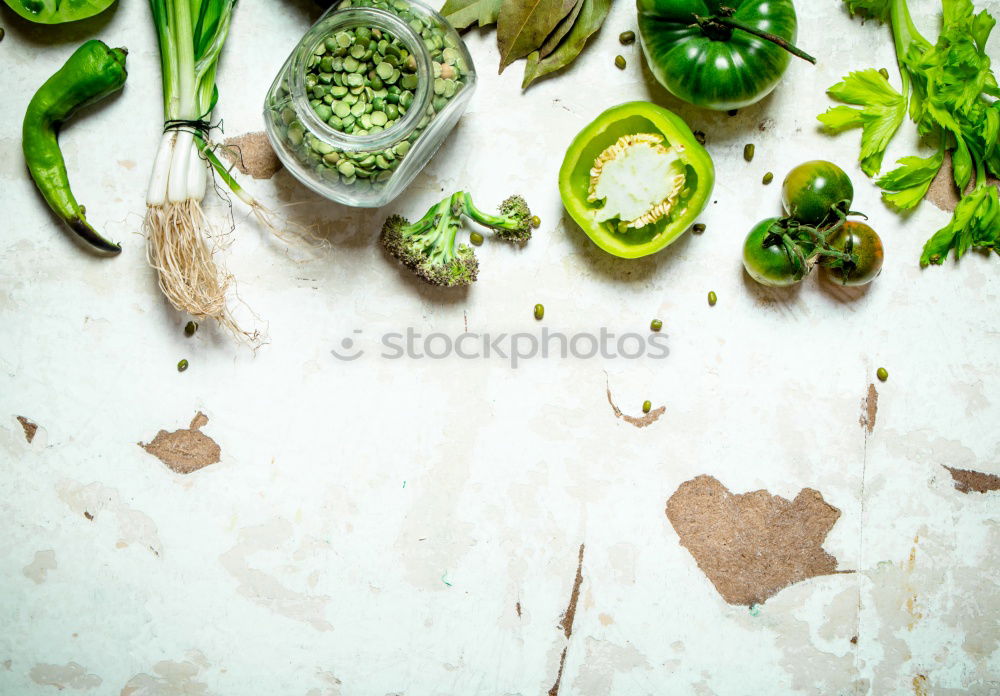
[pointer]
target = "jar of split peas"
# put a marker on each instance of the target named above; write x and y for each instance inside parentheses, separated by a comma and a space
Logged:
(367, 97)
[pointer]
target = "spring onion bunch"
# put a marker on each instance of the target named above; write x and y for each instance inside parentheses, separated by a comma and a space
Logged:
(191, 35)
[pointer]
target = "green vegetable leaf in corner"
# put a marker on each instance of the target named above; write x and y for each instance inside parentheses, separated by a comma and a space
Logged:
(592, 16)
(883, 110)
(906, 185)
(523, 26)
(976, 224)
(58, 11)
(875, 9)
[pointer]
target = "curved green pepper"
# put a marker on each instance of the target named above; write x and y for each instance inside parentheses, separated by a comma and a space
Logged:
(718, 54)
(93, 72)
(630, 119)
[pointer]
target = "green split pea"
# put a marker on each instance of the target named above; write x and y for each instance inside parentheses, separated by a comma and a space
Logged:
(363, 80)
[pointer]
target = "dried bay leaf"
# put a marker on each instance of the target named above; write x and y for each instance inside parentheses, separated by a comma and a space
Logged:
(591, 17)
(523, 26)
(563, 28)
(489, 11)
(462, 14)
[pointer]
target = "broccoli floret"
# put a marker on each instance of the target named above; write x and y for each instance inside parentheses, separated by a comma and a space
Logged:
(428, 246)
(514, 223)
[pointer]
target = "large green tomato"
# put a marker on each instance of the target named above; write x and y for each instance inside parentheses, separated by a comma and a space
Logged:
(694, 51)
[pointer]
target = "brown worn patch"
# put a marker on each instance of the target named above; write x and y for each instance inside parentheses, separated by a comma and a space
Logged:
(943, 193)
(170, 678)
(754, 544)
(869, 409)
(968, 481)
(71, 675)
(252, 154)
(517, 608)
(185, 451)
(39, 568)
(566, 622)
(554, 691)
(30, 428)
(645, 420)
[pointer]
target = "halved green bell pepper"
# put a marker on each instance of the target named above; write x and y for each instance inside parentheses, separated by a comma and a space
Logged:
(626, 119)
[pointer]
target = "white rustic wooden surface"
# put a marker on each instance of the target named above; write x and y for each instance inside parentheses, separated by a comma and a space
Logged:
(373, 526)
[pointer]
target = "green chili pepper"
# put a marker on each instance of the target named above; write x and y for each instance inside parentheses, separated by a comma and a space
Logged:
(539, 312)
(93, 72)
(883, 374)
(656, 325)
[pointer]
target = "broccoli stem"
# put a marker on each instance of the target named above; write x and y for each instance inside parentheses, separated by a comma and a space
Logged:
(441, 223)
(485, 219)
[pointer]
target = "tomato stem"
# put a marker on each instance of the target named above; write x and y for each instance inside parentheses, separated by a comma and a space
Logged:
(721, 29)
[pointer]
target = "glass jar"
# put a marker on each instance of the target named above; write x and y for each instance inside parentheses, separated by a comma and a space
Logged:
(356, 67)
